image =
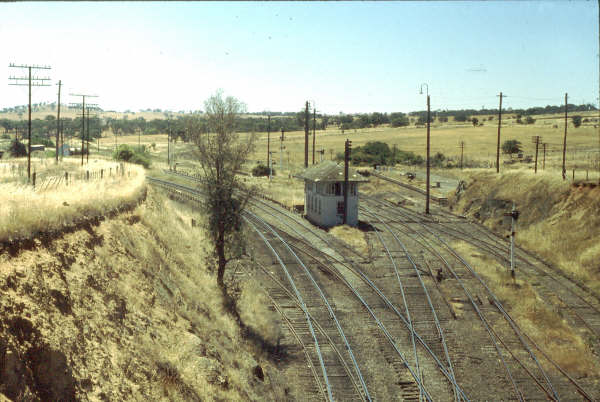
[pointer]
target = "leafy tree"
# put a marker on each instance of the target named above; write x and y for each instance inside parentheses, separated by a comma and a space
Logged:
(475, 121)
(399, 120)
(460, 116)
(511, 147)
(221, 154)
(576, 121)
(17, 149)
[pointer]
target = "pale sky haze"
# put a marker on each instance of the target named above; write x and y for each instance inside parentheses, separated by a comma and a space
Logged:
(346, 56)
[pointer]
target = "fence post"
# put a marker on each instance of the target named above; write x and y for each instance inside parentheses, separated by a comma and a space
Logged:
(33, 177)
(87, 175)
(67, 178)
(101, 173)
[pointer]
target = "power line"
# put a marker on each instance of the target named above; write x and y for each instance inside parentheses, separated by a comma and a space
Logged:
(32, 82)
(83, 96)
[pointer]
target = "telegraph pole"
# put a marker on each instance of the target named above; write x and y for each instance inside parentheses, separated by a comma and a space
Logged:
(564, 168)
(314, 129)
(87, 148)
(499, 125)
(32, 82)
(536, 139)
(462, 148)
(58, 122)
(281, 151)
(168, 141)
(428, 147)
(83, 118)
(306, 117)
(269, 141)
(347, 151)
(544, 160)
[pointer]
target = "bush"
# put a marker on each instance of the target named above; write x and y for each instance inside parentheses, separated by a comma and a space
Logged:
(400, 121)
(262, 170)
(460, 116)
(131, 155)
(443, 119)
(576, 121)
(36, 140)
(17, 149)
(5, 136)
(123, 153)
(475, 121)
(529, 120)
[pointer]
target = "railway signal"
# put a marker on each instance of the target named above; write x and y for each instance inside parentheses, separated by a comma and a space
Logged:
(347, 151)
(564, 169)
(514, 215)
(428, 147)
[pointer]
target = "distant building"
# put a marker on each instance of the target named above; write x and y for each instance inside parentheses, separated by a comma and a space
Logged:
(35, 148)
(324, 194)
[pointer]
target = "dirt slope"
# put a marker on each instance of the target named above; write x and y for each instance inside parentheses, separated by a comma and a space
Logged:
(125, 310)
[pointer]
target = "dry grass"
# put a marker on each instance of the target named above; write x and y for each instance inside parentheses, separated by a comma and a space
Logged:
(26, 212)
(540, 320)
(351, 236)
(285, 190)
(559, 222)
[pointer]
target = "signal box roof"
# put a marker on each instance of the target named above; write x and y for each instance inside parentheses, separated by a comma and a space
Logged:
(329, 171)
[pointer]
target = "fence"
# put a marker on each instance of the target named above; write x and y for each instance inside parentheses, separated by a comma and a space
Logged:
(44, 181)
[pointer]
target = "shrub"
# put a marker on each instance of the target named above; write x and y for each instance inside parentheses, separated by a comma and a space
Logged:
(128, 154)
(123, 153)
(17, 149)
(443, 119)
(529, 120)
(262, 170)
(576, 121)
(475, 121)
(5, 136)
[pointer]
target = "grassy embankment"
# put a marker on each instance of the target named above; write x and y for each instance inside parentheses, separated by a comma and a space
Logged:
(26, 212)
(559, 222)
(130, 310)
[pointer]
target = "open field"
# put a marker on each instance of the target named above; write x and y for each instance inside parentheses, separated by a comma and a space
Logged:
(26, 212)
(480, 143)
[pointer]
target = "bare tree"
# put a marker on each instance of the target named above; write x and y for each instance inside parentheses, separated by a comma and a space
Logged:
(221, 154)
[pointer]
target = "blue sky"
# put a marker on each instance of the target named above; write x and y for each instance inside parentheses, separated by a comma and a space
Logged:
(344, 56)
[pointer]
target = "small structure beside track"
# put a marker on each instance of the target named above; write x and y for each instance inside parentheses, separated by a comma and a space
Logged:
(324, 194)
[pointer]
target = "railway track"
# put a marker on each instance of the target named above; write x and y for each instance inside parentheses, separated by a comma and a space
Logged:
(582, 309)
(514, 349)
(407, 381)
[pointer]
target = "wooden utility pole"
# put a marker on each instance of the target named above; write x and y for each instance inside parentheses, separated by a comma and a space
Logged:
(168, 141)
(544, 160)
(428, 163)
(31, 82)
(462, 149)
(347, 150)
(83, 118)
(314, 130)
(87, 148)
(281, 151)
(536, 140)
(58, 122)
(564, 168)
(306, 117)
(269, 140)
(499, 125)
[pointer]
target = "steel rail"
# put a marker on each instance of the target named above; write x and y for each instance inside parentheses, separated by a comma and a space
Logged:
(495, 247)
(480, 314)
(304, 349)
(406, 308)
(323, 297)
(429, 302)
(487, 326)
(365, 279)
(499, 306)
(317, 325)
(303, 306)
